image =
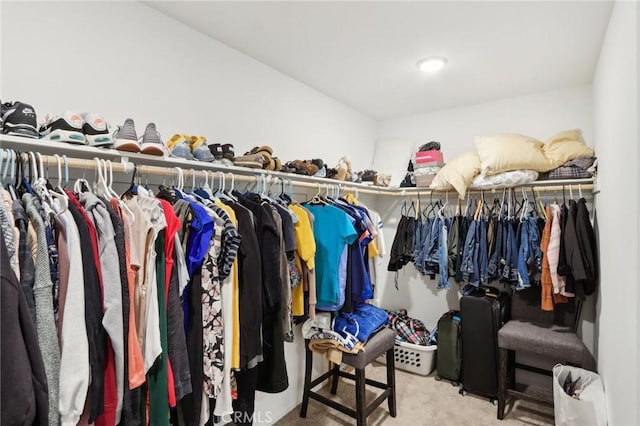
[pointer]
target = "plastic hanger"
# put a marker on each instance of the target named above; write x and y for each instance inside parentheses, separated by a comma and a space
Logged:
(221, 193)
(11, 185)
(99, 183)
(317, 198)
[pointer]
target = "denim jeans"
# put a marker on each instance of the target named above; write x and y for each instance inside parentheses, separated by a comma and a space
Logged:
(419, 260)
(417, 237)
(443, 256)
(431, 248)
(483, 258)
(535, 252)
(470, 255)
(523, 256)
(509, 273)
(492, 268)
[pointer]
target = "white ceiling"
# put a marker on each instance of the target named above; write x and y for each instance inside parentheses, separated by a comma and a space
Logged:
(364, 54)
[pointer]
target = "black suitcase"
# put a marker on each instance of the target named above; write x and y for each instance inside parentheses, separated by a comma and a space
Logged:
(449, 354)
(482, 313)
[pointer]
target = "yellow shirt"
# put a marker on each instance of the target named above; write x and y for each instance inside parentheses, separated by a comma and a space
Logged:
(305, 252)
(235, 342)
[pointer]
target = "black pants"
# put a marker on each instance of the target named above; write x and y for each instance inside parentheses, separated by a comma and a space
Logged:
(244, 406)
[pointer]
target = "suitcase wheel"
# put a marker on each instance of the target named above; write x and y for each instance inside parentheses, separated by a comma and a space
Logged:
(494, 402)
(438, 378)
(461, 391)
(454, 383)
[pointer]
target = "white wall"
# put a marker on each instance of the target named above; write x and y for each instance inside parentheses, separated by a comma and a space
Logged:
(540, 115)
(124, 59)
(616, 140)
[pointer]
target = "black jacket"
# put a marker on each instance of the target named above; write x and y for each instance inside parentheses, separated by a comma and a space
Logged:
(23, 384)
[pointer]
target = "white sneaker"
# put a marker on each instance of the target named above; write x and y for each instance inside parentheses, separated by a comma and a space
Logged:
(96, 131)
(65, 128)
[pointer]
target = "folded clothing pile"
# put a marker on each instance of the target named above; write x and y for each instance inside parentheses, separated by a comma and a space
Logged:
(408, 330)
(260, 157)
(578, 168)
(346, 332)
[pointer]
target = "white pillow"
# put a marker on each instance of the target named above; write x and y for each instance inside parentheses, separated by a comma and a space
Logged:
(506, 152)
(504, 179)
(566, 146)
(457, 174)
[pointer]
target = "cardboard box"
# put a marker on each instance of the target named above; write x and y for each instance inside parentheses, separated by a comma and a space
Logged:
(423, 181)
(432, 156)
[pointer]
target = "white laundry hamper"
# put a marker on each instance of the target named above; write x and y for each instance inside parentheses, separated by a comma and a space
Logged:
(415, 359)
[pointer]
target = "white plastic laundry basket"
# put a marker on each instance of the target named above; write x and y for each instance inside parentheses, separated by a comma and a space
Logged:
(413, 358)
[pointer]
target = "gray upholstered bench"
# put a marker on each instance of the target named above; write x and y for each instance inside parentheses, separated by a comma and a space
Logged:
(380, 343)
(535, 332)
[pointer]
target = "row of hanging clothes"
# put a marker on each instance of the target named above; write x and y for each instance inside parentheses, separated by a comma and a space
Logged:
(156, 307)
(523, 243)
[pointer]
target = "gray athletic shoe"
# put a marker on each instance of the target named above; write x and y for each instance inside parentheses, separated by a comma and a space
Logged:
(151, 142)
(126, 138)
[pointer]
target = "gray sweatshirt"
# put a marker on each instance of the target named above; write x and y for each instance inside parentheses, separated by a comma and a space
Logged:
(74, 344)
(45, 320)
(110, 265)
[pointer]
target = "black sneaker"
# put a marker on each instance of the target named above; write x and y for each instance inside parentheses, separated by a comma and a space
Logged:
(216, 150)
(19, 119)
(96, 131)
(64, 128)
(228, 151)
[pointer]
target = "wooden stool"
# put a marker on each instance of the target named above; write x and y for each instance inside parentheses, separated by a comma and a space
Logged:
(378, 344)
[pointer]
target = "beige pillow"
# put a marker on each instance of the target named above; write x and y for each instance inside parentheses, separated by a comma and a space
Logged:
(458, 173)
(566, 146)
(505, 152)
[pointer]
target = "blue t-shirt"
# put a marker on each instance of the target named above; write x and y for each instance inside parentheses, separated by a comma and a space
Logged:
(333, 231)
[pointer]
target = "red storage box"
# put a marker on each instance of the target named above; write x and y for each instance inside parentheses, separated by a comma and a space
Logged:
(429, 157)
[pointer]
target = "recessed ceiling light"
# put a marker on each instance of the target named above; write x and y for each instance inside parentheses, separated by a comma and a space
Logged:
(432, 63)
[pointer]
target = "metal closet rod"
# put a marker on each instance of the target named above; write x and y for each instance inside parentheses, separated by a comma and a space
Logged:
(271, 178)
(51, 161)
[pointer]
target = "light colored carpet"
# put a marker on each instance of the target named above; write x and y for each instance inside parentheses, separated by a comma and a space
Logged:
(420, 401)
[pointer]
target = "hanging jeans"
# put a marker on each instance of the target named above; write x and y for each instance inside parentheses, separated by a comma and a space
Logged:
(431, 261)
(509, 273)
(534, 243)
(470, 256)
(483, 258)
(443, 256)
(492, 268)
(523, 256)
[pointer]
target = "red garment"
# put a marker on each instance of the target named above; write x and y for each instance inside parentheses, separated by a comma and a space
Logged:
(173, 225)
(108, 417)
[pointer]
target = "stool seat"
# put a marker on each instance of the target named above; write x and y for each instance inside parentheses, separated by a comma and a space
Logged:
(377, 344)
(554, 342)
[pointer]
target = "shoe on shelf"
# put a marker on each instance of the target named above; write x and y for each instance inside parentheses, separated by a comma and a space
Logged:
(200, 150)
(216, 150)
(96, 131)
(67, 127)
(151, 142)
(228, 151)
(262, 149)
(19, 119)
(253, 161)
(178, 147)
(125, 137)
